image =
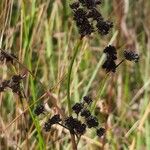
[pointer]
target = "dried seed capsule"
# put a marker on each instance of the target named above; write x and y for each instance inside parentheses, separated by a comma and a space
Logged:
(92, 122)
(104, 27)
(39, 109)
(5, 56)
(109, 65)
(111, 52)
(16, 78)
(85, 113)
(74, 5)
(95, 15)
(77, 107)
(131, 55)
(80, 129)
(100, 132)
(87, 100)
(47, 126)
(70, 123)
(55, 119)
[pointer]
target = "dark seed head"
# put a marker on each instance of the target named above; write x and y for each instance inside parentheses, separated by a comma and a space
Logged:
(77, 107)
(55, 119)
(131, 55)
(47, 126)
(95, 14)
(80, 129)
(5, 56)
(92, 122)
(87, 100)
(16, 78)
(109, 65)
(39, 109)
(111, 52)
(104, 27)
(3, 85)
(70, 123)
(74, 5)
(90, 3)
(100, 132)
(85, 113)
(1, 88)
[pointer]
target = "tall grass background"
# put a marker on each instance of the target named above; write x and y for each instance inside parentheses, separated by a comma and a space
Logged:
(44, 37)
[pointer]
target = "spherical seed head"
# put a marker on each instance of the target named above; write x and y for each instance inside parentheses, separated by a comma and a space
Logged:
(5, 83)
(95, 14)
(5, 56)
(98, 2)
(47, 126)
(39, 110)
(109, 65)
(131, 55)
(16, 78)
(100, 132)
(70, 123)
(74, 5)
(80, 129)
(85, 113)
(104, 27)
(77, 107)
(1, 88)
(55, 119)
(92, 122)
(111, 52)
(87, 100)
(90, 3)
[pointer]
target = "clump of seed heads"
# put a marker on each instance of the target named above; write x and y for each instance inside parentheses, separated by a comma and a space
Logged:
(88, 19)
(75, 124)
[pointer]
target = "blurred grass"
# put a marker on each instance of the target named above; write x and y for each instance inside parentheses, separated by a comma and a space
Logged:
(43, 36)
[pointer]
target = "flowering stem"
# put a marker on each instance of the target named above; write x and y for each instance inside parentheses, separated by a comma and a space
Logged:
(76, 49)
(100, 92)
(120, 63)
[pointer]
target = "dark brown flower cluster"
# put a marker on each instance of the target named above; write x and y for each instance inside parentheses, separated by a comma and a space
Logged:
(76, 125)
(13, 84)
(111, 55)
(7, 57)
(88, 19)
(131, 55)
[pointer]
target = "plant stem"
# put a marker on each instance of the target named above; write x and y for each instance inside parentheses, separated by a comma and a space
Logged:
(76, 49)
(100, 92)
(120, 63)
(74, 145)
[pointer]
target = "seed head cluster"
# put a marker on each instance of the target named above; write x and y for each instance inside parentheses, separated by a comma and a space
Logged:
(78, 123)
(88, 19)
(111, 55)
(7, 57)
(13, 84)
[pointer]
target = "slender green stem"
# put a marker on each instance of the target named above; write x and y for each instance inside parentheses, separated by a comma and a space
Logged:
(100, 91)
(76, 49)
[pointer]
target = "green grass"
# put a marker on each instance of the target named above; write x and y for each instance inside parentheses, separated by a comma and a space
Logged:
(45, 39)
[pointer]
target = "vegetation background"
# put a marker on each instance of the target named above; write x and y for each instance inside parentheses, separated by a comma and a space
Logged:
(43, 35)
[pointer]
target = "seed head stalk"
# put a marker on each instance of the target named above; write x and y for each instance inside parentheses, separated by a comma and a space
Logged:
(76, 49)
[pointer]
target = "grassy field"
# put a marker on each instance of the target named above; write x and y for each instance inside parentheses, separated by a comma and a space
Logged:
(44, 37)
